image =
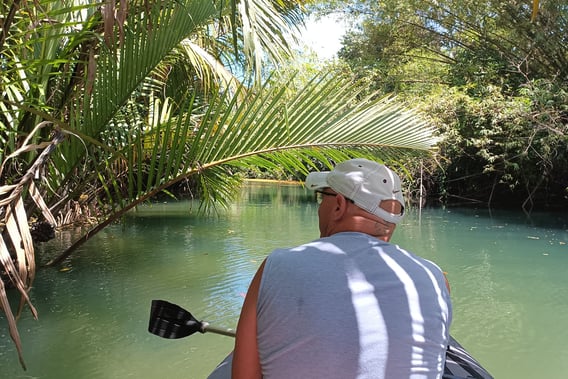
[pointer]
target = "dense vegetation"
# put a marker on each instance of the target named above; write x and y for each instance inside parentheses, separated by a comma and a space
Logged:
(492, 76)
(105, 105)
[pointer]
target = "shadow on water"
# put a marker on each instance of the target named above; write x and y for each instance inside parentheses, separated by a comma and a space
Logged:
(548, 220)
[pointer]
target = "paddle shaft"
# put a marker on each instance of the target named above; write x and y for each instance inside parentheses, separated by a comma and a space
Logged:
(217, 330)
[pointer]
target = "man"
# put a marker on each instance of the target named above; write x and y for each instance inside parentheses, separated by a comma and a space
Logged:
(350, 304)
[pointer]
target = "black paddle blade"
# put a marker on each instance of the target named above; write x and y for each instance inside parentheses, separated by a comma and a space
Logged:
(169, 320)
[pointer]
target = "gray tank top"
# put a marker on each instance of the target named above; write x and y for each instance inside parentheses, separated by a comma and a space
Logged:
(352, 306)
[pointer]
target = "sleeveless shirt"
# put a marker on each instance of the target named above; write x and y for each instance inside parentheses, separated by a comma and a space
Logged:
(352, 306)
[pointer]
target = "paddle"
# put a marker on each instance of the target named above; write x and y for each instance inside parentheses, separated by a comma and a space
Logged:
(171, 321)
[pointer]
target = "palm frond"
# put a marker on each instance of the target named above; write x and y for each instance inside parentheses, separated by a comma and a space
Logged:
(210, 71)
(169, 24)
(324, 121)
(16, 246)
(5, 307)
(267, 28)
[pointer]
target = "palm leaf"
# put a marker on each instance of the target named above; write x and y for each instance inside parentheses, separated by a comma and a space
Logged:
(17, 276)
(266, 28)
(5, 306)
(170, 23)
(122, 71)
(15, 235)
(311, 123)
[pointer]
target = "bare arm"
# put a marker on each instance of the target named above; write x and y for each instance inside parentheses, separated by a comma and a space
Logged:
(447, 282)
(246, 361)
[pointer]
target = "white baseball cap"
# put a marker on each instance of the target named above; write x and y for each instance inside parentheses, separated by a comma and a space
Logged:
(365, 182)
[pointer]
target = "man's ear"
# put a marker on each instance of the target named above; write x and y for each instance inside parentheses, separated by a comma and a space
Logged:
(341, 204)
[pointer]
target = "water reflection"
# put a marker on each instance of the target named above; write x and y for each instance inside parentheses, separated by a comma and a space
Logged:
(507, 273)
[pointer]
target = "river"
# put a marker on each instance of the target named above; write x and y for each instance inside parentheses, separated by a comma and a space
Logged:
(507, 272)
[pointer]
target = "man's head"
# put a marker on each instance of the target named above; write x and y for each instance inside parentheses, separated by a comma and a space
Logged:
(369, 185)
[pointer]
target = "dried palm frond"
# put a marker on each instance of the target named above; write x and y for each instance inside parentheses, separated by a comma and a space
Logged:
(17, 259)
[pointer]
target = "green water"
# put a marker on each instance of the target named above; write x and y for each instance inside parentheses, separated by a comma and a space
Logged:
(508, 276)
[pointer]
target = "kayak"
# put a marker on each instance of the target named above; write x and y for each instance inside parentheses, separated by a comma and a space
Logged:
(459, 365)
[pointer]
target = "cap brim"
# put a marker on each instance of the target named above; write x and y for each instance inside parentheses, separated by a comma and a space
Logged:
(317, 180)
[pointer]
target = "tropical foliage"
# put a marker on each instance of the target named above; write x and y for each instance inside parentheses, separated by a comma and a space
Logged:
(104, 106)
(492, 75)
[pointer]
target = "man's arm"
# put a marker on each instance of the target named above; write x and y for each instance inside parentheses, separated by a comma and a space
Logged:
(447, 282)
(246, 361)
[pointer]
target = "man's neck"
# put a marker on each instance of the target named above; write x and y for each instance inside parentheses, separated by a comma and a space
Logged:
(371, 225)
